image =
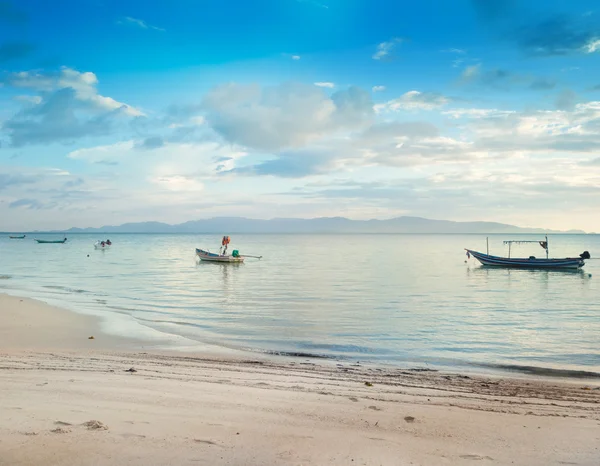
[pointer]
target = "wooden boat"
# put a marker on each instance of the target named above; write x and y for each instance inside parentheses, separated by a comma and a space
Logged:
(18, 237)
(51, 241)
(530, 262)
(222, 258)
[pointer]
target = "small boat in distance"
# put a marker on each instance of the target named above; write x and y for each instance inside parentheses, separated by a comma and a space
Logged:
(18, 237)
(51, 241)
(102, 244)
(531, 262)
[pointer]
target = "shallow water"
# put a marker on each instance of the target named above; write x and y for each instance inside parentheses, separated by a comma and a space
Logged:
(407, 299)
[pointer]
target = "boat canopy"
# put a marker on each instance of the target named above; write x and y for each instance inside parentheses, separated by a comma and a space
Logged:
(543, 244)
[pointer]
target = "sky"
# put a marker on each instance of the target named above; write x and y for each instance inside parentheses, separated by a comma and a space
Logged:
(115, 112)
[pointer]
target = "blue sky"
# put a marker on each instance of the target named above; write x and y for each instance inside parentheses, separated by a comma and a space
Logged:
(116, 111)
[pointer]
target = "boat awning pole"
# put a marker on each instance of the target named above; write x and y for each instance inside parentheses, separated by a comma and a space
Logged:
(487, 243)
(547, 246)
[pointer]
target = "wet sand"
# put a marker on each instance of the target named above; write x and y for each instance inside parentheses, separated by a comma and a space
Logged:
(158, 408)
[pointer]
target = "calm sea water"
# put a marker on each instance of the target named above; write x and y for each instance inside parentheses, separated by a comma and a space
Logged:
(406, 299)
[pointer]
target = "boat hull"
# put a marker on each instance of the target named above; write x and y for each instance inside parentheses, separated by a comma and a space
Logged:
(101, 246)
(212, 257)
(523, 263)
(17, 237)
(43, 241)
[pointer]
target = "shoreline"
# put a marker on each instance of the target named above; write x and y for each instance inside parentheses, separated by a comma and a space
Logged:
(109, 401)
(32, 324)
(170, 343)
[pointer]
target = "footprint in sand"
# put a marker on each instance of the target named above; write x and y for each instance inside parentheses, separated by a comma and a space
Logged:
(374, 408)
(353, 399)
(60, 430)
(62, 423)
(95, 425)
(476, 457)
(208, 442)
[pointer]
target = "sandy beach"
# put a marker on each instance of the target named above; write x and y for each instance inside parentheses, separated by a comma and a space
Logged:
(66, 399)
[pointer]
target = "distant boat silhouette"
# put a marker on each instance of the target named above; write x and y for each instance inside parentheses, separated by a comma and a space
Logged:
(51, 241)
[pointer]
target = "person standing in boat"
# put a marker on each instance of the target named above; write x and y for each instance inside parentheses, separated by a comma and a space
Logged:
(224, 244)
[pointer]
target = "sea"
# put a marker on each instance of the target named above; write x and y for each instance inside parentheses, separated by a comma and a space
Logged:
(393, 299)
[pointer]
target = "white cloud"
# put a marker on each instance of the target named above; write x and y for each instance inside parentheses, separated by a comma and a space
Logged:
(548, 132)
(413, 100)
(382, 145)
(289, 115)
(128, 20)
(456, 51)
(83, 83)
(384, 49)
(592, 46)
(378, 88)
(296, 57)
(178, 183)
(32, 99)
(198, 120)
(325, 84)
(161, 184)
(32, 80)
(471, 72)
(479, 140)
(476, 112)
(107, 154)
(170, 161)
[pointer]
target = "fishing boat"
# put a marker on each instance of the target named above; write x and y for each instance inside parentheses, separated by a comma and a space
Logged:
(102, 244)
(51, 241)
(18, 237)
(530, 262)
(222, 256)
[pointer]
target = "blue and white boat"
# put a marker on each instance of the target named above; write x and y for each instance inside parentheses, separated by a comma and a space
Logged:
(51, 241)
(222, 258)
(530, 262)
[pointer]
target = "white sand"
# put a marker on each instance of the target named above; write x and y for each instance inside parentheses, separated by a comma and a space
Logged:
(181, 410)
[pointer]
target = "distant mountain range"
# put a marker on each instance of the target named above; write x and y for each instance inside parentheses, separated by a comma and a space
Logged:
(232, 225)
